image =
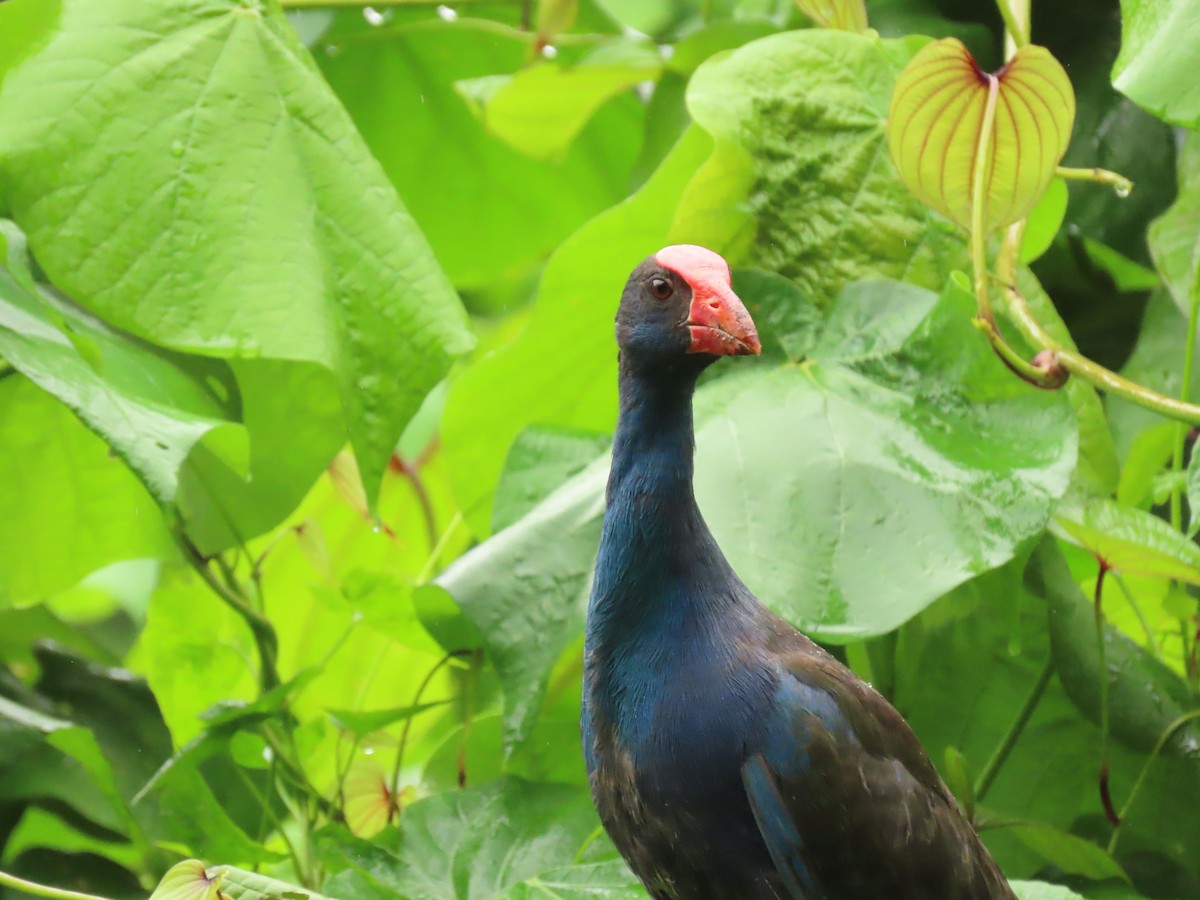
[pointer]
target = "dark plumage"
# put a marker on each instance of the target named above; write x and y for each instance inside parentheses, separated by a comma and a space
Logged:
(729, 756)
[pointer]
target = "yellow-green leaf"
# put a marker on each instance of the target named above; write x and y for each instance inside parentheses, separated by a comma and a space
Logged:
(948, 117)
(847, 15)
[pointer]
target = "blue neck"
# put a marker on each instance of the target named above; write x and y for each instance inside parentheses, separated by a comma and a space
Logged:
(659, 570)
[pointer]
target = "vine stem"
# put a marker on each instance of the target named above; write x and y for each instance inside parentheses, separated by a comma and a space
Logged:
(33, 889)
(1098, 613)
(394, 784)
(1015, 14)
(1118, 182)
(260, 626)
(1094, 373)
(1004, 748)
(978, 183)
(1189, 358)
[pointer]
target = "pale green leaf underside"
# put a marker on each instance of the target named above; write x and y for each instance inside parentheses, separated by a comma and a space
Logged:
(938, 118)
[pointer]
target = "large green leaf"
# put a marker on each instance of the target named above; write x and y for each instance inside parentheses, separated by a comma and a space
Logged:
(963, 671)
(799, 183)
(182, 170)
(489, 211)
(231, 447)
(832, 485)
(24, 24)
(508, 839)
(1160, 41)
(805, 112)
(67, 508)
(562, 370)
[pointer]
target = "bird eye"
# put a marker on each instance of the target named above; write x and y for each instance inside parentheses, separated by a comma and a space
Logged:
(661, 288)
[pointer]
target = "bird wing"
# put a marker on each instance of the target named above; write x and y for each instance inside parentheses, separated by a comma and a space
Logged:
(846, 798)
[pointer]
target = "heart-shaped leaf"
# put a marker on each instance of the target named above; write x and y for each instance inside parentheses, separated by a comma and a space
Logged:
(846, 15)
(950, 120)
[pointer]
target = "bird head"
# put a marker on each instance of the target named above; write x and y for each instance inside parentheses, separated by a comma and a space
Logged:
(679, 304)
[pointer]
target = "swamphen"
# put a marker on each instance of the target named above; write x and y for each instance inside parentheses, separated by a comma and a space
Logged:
(729, 756)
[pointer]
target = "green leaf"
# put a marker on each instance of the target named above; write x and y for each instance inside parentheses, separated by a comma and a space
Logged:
(1126, 275)
(192, 880)
(540, 460)
(172, 417)
(801, 161)
(1044, 220)
(562, 369)
(532, 579)
(1160, 41)
(961, 683)
(490, 212)
(1174, 237)
(1132, 540)
(541, 109)
(507, 839)
(24, 26)
(121, 712)
(1147, 457)
(791, 464)
(945, 108)
(1072, 855)
(105, 135)
(73, 508)
(1144, 696)
(362, 723)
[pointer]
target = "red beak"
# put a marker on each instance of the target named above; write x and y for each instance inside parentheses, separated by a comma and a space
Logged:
(717, 319)
(719, 323)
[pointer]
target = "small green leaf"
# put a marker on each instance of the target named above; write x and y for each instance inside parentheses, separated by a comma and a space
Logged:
(941, 107)
(845, 15)
(1149, 454)
(1073, 855)
(1044, 220)
(364, 722)
(1160, 42)
(1132, 540)
(540, 110)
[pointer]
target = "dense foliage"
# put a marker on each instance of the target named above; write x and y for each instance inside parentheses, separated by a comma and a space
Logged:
(307, 380)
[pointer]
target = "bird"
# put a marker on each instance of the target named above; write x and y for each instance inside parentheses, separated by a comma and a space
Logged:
(728, 755)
